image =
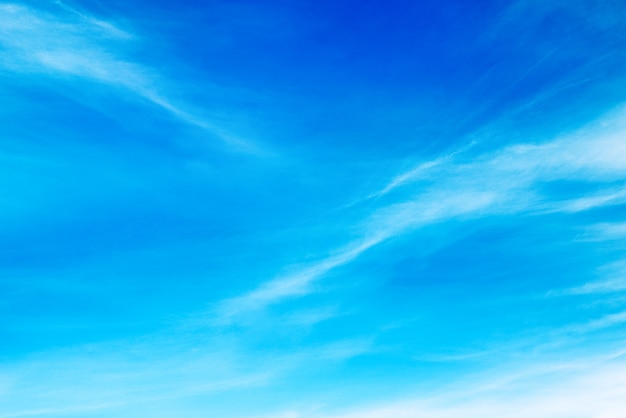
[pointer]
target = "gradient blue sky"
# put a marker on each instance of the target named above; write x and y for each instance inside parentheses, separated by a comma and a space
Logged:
(313, 209)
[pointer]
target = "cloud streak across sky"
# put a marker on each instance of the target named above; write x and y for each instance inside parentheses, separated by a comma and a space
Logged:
(437, 231)
(505, 182)
(77, 45)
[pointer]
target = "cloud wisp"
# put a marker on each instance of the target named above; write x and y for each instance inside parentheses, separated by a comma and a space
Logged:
(592, 387)
(504, 182)
(74, 44)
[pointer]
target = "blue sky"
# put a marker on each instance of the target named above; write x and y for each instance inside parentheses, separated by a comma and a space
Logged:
(312, 209)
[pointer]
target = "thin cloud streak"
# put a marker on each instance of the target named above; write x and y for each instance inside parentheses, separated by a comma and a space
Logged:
(594, 388)
(386, 224)
(605, 286)
(593, 153)
(504, 182)
(85, 47)
(612, 280)
(608, 231)
(112, 378)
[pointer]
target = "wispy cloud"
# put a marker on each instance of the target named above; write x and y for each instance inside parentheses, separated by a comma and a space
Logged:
(605, 286)
(588, 388)
(502, 182)
(385, 224)
(606, 231)
(290, 285)
(608, 197)
(118, 374)
(593, 153)
(160, 370)
(73, 44)
(612, 279)
(606, 321)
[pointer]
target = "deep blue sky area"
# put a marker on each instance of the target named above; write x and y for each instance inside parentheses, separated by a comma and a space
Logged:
(312, 209)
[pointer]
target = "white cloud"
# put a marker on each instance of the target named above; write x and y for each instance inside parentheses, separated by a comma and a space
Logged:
(612, 279)
(290, 285)
(604, 286)
(386, 223)
(585, 389)
(597, 152)
(73, 44)
(591, 202)
(606, 321)
(607, 231)
(35, 42)
(502, 182)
